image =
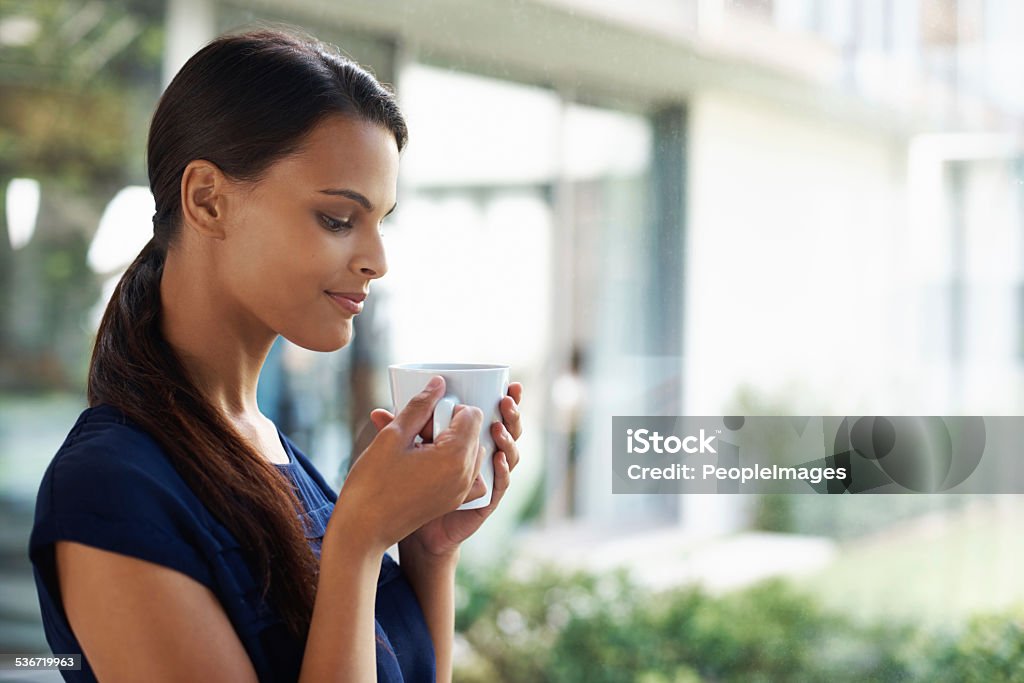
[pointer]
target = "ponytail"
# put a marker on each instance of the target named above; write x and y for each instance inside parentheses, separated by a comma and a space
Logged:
(134, 369)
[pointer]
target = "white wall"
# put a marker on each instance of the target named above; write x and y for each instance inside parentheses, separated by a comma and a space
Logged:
(793, 287)
(993, 250)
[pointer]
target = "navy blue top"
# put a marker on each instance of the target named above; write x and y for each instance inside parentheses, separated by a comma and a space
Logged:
(111, 486)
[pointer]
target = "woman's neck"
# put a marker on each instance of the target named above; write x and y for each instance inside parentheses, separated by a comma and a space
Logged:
(221, 346)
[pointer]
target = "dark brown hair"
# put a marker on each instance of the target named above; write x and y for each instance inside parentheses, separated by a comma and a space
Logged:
(242, 102)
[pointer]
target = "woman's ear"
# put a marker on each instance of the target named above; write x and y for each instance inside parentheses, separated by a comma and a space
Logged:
(203, 198)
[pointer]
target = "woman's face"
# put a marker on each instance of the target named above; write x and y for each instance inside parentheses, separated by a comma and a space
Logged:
(304, 240)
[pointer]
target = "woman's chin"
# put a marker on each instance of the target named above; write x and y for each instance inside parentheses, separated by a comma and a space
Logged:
(323, 343)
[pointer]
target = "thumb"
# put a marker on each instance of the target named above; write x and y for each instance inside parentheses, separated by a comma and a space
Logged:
(420, 409)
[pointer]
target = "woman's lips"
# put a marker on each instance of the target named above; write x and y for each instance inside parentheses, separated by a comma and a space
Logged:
(351, 302)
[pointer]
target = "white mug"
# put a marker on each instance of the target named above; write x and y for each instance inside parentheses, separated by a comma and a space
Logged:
(469, 384)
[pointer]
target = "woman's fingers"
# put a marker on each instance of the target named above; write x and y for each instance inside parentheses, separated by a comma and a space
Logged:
(515, 390)
(408, 422)
(509, 407)
(502, 479)
(506, 444)
(381, 418)
(504, 433)
(478, 489)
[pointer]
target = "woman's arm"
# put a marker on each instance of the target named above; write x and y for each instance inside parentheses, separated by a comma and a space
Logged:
(140, 621)
(391, 489)
(429, 556)
(341, 643)
(433, 579)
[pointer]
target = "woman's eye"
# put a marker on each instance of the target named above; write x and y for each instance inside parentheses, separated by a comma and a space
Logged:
(334, 225)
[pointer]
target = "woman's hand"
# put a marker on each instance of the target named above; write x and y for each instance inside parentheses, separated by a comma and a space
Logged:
(443, 535)
(397, 485)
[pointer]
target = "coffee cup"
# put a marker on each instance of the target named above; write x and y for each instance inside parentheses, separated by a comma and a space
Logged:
(469, 384)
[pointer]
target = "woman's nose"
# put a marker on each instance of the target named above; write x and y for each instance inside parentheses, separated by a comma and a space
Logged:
(370, 260)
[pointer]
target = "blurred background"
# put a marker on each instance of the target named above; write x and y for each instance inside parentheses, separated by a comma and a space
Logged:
(662, 207)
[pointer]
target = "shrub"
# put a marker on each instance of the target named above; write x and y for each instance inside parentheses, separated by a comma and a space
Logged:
(989, 650)
(584, 628)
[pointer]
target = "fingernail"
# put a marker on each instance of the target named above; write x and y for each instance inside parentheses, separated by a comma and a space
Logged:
(434, 382)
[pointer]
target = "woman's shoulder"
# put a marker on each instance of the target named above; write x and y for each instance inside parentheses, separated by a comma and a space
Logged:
(111, 486)
(103, 441)
(104, 422)
(108, 465)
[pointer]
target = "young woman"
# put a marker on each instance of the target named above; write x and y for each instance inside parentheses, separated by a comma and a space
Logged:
(178, 535)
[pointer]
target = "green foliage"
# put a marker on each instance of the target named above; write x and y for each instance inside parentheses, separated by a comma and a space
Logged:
(990, 650)
(582, 628)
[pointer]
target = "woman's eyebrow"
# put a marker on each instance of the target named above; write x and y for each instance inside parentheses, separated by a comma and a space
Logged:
(357, 197)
